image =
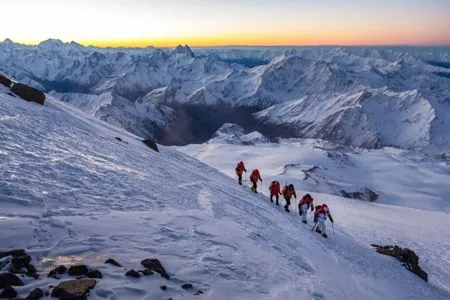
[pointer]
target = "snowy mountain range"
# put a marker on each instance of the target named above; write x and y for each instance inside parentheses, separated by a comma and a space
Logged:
(77, 190)
(181, 95)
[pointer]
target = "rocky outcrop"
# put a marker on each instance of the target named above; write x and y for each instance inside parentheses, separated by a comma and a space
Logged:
(112, 262)
(408, 258)
(35, 294)
(74, 289)
(80, 270)
(155, 265)
(9, 279)
(364, 194)
(28, 93)
(5, 81)
(8, 293)
(95, 274)
(57, 271)
(151, 144)
(133, 273)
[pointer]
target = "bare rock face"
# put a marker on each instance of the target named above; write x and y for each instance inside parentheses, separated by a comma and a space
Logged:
(408, 258)
(9, 279)
(151, 144)
(8, 293)
(80, 270)
(74, 289)
(28, 93)
(35, 294)
(5, 81)
(112, 262)
(155, 265)
(57, 271)
(133, 273)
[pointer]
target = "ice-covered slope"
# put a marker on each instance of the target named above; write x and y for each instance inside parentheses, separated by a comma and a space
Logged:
(399, 177)
(71, 192)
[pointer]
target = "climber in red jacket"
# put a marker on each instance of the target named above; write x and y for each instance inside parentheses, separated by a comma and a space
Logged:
(254, 177)
(275, 190)
(240, 168)
(320, 216)
(303, 205)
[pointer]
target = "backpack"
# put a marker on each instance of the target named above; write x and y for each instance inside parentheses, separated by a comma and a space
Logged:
(271, 185)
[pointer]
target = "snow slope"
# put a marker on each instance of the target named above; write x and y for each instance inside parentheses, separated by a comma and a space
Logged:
(401, 178)
(71, 192)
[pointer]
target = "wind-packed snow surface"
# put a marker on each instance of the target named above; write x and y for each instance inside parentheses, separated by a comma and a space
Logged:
(70, 192)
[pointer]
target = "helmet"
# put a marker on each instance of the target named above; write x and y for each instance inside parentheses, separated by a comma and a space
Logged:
(291, 186)
(241, 162)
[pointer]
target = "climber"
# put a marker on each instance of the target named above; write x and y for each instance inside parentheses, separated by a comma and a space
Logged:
(240, 168)
(303, 205)
(288, 192)
(254, 177)
(274, 189)
(320, 216)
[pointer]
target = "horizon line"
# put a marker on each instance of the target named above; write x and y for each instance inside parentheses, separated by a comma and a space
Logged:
(90, 44)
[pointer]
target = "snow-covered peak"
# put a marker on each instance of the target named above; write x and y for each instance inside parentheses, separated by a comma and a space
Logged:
(231, 133)
(183, 51)
(51, 44)
(8, 41)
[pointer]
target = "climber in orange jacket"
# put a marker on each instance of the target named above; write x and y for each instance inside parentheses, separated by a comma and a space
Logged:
(288, 192)
(254, 177)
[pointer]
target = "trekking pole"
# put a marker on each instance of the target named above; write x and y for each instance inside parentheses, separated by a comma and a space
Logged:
(332, 225)
(314, 227)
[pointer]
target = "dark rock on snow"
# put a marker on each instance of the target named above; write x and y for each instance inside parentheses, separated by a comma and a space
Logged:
(147, 272)
(5, 81)
(133, 273)
(199, 292)
(112, 262)
(58, 270)
(36, 294)
(8, 293)
(155, 265)
(22, 261)
(187, 286)
(13, 253)
(78, 270)
(28, 93)
(151, 144)
(31, 269)
(8, 279)
(74, 289)
(163, 287)
(409, 259)
(95, 274)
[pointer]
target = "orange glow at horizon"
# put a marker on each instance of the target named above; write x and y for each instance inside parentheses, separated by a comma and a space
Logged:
(164, 23)
(312, 39)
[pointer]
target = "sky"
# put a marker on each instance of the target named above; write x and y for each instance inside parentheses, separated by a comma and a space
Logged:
(228, 22)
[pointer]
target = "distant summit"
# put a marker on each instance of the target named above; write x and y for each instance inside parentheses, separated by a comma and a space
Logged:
(51, 43)
(184, 51)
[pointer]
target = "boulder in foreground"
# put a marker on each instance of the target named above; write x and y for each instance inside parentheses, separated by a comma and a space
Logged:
(74, 289)
(28, 93)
